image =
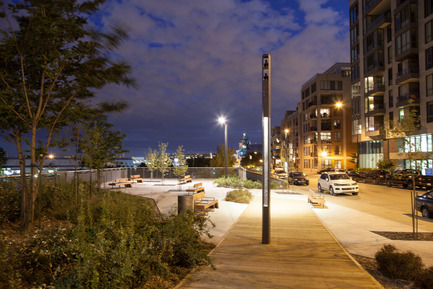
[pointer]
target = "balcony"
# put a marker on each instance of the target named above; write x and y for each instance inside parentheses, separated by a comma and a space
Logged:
(380, 22)
(408, 75)
(407, 99)
(376, 7)
(411, 52)
(311, 104)
(377, 109)
(375, 89)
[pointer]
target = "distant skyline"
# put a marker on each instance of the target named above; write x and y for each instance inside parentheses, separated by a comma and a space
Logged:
(196, 60)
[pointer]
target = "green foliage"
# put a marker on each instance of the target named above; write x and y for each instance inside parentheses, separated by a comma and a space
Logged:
(163, 160)
(199, 161)
(239, 196)
(398, 265)
(252, 160)
(3, 157)
(385, 165)
(114, 241)
(425, 279)
(219, 159)
(181, 166)
(233, 181)
(100, 145)
(53, 63)
(10, 200)
(151, 160)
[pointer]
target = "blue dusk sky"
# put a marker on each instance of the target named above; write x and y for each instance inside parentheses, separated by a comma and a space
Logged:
(195, 60)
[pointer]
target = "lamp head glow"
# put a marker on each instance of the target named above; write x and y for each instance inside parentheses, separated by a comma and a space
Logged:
(324, 154)
(339, 104)
(286, 130)
(222, 120)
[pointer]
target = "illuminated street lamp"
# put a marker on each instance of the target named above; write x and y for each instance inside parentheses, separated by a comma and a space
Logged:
(339, 105)
(222, 120)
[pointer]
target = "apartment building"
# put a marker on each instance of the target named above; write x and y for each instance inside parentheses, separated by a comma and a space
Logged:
(392, 75)
(289, 140)
(320, 129)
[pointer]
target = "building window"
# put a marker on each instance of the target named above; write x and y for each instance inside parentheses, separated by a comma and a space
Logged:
(430, 111)
(325, 137)
(429, 58)
(354, 14)
(429, 84)
(337, 164)
(331, 85)
(389, 54)
(428, 31)
(390, 98)
(337, 124)
(391, 120)
(337, 136)
(313, 88)
(337, 150)
(390, 76)
(428, 7)
(402, 43)
(326, 163)
(307, 164)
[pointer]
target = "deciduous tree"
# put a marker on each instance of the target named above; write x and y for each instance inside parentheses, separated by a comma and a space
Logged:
(52, 64)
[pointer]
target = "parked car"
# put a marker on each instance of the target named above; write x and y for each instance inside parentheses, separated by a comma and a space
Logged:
(325, 170)
(280, 173)
(337, 183)
(298, 178)
(358, 176)
(376, 176)
(424, 204)
(405, 178)
(329, 170)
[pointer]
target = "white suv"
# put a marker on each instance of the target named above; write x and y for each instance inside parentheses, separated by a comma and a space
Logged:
(337, 183)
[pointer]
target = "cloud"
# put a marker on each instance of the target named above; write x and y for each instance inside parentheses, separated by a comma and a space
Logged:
(195, 60)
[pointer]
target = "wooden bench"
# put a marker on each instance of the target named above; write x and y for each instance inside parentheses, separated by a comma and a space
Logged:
(121, 182)
(197, 188)
(185, 179)
(316, 200)
(136, 178)
(202, 203)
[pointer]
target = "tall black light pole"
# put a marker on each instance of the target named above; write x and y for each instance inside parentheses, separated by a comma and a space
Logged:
(266, 123)
(222, 120)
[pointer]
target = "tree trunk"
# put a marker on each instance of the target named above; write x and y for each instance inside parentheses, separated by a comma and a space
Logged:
(24, 225)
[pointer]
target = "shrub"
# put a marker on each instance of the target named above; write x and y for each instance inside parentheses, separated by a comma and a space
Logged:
(10, 202)
(116, 241)
(425, 279)
(233, 181)
(239, 196)
(398, 265)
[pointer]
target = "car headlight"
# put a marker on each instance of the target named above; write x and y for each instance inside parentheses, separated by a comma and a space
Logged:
(354, 184)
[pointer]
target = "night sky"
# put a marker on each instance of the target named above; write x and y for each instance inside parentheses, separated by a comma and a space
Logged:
(195, 60)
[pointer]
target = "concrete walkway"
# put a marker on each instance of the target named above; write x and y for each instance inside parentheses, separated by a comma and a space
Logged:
(302, 254)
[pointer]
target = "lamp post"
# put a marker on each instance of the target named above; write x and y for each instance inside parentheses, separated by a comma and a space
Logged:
(222, 120)
(340, 105)
(286, 156)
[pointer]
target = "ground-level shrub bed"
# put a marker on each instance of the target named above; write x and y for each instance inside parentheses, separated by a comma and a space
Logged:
(115, 241)
(239, 196)
(396, 269)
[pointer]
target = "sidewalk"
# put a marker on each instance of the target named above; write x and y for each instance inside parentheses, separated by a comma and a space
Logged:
(302, 253)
